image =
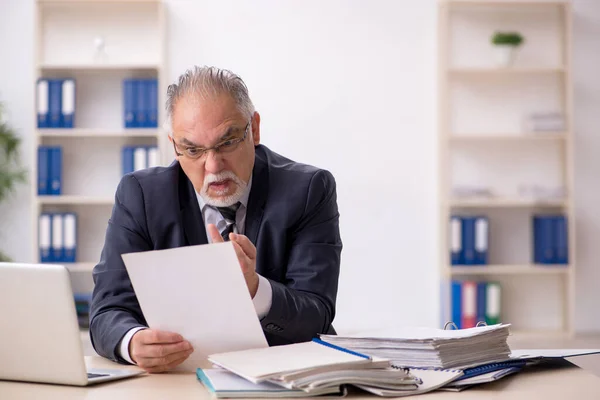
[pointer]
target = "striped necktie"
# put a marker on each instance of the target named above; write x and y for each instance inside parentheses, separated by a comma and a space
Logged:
(229, 214)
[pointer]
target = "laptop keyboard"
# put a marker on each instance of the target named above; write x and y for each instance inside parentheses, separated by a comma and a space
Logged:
(95, 375)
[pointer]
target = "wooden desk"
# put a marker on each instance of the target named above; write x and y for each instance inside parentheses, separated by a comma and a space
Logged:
(563, 381)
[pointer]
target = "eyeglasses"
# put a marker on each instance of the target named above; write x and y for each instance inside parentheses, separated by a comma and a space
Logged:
(195, 153)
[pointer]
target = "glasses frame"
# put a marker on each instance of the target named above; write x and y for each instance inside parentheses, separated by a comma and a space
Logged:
(202, 151)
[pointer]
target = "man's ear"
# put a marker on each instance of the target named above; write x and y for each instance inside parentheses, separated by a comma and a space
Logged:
(256, 128)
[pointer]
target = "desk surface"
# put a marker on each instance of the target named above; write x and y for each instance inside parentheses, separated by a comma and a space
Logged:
(563, 381)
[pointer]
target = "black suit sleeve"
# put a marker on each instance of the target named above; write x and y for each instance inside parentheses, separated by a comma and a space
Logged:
(304, 305)
(114, 308)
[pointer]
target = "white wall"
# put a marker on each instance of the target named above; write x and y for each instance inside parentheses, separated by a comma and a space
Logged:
(349, 86)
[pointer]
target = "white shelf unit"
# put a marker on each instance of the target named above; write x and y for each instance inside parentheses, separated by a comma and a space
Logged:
(67, 31)
(482, 142)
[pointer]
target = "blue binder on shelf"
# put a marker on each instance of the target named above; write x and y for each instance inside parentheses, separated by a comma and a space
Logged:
(68, 103)
(129, 102)
(152, 103)
(468, 236)
(481, 240)
(141, 104)
(127, 158)
(57, 238)
(481, 301)
(70, 237)
(55, 171)
(561, 240)
(42, 97)
(543, 239)
(43, 170)
(456, 245)
(456, 309)
(55, 103)
(45, 237)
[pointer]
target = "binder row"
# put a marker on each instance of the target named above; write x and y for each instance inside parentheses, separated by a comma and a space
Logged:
(141, 157)
(550, 239)
(140, 99)
(49, 170)
(55, 103)
(469, 237)
(57, 237)
(475, 301)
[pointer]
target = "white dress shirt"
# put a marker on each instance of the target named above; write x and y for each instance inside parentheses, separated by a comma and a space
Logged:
(264, 294)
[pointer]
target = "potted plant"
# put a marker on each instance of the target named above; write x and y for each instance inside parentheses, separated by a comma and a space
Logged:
(11, 171)
(506, 44)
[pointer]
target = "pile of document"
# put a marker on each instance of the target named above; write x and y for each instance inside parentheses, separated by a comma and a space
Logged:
(431, 348)
(312, 369)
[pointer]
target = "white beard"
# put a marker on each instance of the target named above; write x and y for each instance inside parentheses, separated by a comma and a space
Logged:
(223, 200)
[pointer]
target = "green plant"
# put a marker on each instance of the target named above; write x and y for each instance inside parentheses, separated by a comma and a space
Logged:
(507, 38)
(11, 172)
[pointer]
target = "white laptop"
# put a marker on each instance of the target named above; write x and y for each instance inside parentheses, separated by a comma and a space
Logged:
(39, 334)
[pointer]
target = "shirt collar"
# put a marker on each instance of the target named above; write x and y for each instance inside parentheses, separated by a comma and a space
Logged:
(243, 200)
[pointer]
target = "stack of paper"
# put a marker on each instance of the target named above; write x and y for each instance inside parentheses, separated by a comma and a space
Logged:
(431, 348)
(315, 368)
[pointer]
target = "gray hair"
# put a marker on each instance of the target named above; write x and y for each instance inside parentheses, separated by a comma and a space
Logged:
(206, 82)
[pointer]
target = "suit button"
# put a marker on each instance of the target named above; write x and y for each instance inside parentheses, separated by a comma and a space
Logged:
(270, 326)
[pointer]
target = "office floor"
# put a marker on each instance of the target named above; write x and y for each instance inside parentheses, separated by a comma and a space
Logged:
(515, 341)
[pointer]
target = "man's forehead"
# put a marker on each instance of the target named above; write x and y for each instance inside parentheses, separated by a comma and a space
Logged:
(205, 109)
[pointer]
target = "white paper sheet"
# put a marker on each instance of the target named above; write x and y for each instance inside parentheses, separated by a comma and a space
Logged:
(200, 293)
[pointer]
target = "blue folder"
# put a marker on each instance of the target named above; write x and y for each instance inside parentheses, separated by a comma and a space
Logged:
(468, 236)
(129, 101)
(457, 303)
(127, 158)
(152, 119)
(55, 171)
(543, 239)
(55, 103)
(561, 240)
(43, 173)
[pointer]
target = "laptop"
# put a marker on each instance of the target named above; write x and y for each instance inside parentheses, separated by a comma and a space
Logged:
(39, 334)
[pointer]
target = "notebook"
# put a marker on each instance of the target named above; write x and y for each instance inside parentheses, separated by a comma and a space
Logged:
(224, 384)
(261, 364)
(430, 380)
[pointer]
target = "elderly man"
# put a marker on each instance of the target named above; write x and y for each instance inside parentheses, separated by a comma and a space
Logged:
(281, 216)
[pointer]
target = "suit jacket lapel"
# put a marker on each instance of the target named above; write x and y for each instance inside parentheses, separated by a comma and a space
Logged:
(258, 196)
(191, 217)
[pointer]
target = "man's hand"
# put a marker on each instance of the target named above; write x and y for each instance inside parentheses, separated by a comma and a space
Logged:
(158, 351)
(246, 254)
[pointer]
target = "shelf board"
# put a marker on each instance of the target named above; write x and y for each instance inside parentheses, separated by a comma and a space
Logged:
(505, 203)
(508, 3)
(505, 71)
(98, 67)
(97, 1)
(75, 200)
(527, 269)
(505, 137)
(99, 133)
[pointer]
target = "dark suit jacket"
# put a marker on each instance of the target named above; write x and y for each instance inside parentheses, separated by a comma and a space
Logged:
(292, 219)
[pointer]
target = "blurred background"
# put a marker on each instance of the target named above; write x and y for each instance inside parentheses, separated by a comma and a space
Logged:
(463, 136)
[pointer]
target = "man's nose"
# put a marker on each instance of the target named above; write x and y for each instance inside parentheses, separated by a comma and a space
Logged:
(214, 162)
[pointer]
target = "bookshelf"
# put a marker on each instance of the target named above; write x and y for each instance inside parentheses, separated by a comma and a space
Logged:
(482, 142)
(98, 44)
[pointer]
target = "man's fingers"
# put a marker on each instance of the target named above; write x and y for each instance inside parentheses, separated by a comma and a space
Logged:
(242, 257)
(153, 336)
(164, 368)
(245, 244)
(157, 362)
(214, 234)
(163, 350)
